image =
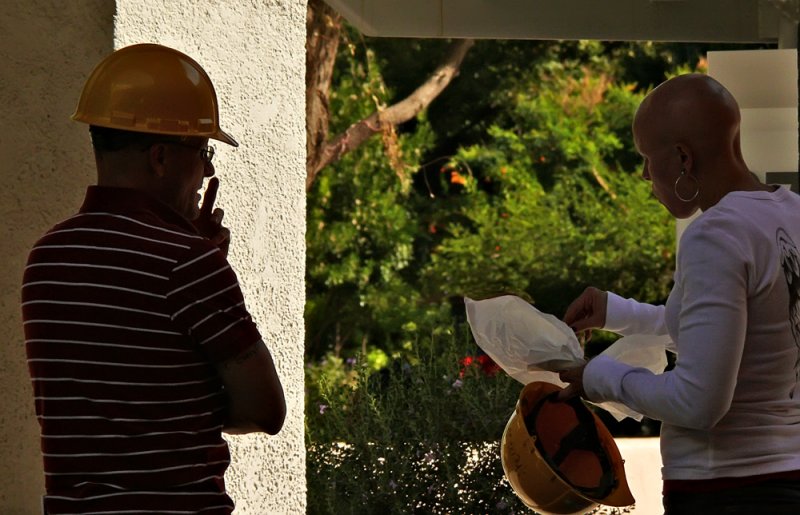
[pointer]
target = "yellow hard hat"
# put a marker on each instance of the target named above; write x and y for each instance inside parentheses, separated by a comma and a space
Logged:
(152, 89)
(559, 457)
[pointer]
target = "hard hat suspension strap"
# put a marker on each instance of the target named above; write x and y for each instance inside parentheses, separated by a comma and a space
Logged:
(582, 437)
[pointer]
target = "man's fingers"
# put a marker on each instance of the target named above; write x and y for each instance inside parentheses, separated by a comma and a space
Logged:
(217, 216)
(209, 221)
(223, 240)
(223, 235)
(209, 198)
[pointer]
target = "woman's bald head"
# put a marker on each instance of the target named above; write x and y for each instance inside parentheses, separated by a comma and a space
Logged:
(687, 131)
(693, 109)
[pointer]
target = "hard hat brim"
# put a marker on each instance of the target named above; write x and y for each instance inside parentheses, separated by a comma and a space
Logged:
(225, 138)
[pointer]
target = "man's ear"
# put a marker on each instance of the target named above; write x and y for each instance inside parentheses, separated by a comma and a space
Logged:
(157, 159)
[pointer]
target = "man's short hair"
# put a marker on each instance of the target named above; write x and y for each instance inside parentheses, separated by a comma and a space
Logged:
(105, 139)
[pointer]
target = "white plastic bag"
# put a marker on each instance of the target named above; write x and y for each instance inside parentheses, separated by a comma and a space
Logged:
(533, 346)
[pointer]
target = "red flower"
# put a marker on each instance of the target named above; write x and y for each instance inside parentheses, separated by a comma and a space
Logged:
(484, 362)
(488, 366)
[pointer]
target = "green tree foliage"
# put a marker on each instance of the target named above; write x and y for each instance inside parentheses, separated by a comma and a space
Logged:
(546, 207)
(362, 224)
(520, 177)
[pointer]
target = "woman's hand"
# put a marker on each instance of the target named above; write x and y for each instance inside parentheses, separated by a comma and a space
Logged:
(573, 376)
(587, 312)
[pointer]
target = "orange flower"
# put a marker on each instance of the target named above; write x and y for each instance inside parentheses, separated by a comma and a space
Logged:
(457, 178)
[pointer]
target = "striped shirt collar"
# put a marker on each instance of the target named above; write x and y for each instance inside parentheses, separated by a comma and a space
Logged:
(128, 200)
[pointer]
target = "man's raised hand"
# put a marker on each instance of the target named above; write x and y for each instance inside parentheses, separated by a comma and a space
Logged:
(209, 222)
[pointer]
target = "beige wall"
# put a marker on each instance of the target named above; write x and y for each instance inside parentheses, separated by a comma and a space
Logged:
(254, 53)
(46, 49)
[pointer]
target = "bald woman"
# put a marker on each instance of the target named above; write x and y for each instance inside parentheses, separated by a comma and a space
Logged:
(730, 408)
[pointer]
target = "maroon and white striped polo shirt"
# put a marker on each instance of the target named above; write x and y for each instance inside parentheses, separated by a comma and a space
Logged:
(126, 310)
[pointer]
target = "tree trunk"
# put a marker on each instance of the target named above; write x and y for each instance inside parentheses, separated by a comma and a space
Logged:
(323, 27)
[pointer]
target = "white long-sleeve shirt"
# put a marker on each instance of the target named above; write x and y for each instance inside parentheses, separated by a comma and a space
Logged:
(731, 405)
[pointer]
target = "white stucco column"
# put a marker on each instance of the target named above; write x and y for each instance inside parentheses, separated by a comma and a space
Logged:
(764, 83)
(254, 53)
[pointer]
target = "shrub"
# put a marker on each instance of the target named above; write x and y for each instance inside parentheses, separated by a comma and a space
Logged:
(420, 435)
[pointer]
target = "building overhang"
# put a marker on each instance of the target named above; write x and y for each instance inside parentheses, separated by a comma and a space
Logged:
(730, 21)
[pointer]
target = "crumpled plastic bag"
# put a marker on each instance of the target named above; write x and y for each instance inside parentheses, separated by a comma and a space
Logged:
(533, 346)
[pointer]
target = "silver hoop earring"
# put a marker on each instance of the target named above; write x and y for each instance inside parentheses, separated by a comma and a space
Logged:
(696, 183)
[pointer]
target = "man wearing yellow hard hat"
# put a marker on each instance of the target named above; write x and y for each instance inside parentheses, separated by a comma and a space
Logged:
(140, 347)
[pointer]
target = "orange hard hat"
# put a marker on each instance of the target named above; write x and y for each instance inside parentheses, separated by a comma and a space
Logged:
(152, 89)
(559, 457)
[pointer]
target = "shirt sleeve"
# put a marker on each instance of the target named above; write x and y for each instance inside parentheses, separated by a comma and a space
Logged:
(628, 316)
(698, 392)
(208, 305)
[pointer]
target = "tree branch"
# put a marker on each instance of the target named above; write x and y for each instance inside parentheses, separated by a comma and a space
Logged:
(402, 111)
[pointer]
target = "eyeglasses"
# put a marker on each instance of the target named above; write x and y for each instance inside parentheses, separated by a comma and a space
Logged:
(206, 153)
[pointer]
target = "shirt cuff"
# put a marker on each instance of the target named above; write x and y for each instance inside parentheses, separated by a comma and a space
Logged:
(615, 313)
(602, 379)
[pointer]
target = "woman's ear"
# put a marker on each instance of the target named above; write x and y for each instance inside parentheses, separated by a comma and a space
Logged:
(685, 155)
(157, 159)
